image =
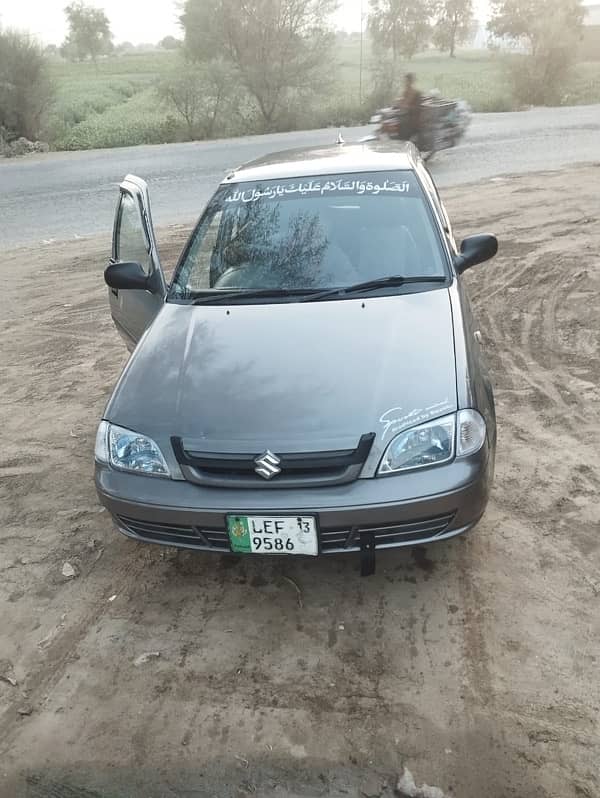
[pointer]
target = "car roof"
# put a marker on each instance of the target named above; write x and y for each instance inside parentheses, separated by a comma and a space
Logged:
(328, 160)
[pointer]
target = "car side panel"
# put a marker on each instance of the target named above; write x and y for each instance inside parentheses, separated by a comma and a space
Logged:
(474, 384)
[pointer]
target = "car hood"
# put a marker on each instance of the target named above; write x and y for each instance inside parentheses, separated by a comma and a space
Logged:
(290, 377)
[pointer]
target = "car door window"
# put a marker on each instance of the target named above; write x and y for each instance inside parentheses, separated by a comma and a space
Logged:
(131, 241)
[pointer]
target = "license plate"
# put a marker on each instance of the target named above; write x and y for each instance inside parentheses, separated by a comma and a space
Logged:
(257, 534)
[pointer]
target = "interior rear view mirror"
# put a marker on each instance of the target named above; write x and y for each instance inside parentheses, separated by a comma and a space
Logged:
(474, 250)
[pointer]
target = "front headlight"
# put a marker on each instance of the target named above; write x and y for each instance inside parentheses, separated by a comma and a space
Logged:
(428, 444)
(435, 442)
(129, 451)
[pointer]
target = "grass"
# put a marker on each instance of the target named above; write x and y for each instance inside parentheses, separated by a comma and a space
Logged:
(116, 104)
(111, 105)
(134, 120)
(585, 86)
(476, 76)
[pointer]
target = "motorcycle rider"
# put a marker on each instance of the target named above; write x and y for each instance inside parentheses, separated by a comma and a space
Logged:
(410, 103)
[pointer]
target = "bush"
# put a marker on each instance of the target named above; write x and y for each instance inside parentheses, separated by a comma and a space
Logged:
(201, 94)
(551, 30)
(386, 80)
(26, 91)
(541, 78)
(583, 88)
(494, 104)
(337, 112)
(590, 43)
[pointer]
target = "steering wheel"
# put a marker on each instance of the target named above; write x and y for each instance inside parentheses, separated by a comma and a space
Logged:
(246, 275)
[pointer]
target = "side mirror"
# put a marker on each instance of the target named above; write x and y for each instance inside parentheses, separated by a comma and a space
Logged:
(126, 274)
(474, 250)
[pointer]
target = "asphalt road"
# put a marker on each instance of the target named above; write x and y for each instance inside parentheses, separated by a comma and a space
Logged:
(64, 195)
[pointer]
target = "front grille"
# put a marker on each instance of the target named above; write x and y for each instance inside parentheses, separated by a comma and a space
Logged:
(176, 534)
(331, 540)
(295, 470)
(386, 536)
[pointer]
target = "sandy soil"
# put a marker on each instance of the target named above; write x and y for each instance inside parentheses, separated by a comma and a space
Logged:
(474, 662)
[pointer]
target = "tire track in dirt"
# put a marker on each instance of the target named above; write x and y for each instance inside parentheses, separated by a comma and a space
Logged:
(474, 659)
(64, 644)
(533, 344)
(45, 434)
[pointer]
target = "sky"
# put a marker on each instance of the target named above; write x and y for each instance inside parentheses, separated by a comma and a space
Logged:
(138, 21)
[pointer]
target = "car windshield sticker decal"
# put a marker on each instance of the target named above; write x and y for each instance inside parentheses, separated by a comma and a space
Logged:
(322, 188)
(396, 419)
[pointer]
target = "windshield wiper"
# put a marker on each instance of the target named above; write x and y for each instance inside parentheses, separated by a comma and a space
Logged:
(372, 285)
(310, 295)
(222, 296)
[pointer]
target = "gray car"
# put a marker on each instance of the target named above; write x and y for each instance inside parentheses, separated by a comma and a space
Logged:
(310, 381)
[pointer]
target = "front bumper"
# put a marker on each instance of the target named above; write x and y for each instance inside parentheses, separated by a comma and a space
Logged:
(400, 510)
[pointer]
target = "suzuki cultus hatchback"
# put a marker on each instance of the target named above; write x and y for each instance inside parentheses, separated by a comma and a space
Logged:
(311, 379)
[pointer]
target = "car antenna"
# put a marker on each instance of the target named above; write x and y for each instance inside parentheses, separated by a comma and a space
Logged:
(340, 138)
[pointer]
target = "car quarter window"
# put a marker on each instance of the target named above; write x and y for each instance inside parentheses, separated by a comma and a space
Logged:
(434, 194)
(132, 244)
(430, 189)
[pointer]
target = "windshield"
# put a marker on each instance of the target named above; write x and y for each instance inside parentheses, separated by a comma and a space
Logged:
(299, 236)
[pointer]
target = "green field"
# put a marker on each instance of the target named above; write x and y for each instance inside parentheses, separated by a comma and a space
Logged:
(476, 76)
(112, 105)
(116, 104)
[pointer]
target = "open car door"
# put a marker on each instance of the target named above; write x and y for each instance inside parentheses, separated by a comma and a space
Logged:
(133, 309)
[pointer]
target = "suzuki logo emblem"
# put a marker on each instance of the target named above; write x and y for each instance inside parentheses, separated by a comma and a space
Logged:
(267, 465)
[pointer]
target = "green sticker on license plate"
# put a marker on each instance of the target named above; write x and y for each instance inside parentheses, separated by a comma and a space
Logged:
(239, 534)
(252, 534)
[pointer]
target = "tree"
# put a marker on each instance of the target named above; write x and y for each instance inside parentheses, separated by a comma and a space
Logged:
(385, 80)
(89, 32)
(551, 30)
(279, 48)
(203, 33)
(169, 43)
(526, 19)
(26, 91)
(453, 24)
(123, 48)
(198, 93)
(401, 26)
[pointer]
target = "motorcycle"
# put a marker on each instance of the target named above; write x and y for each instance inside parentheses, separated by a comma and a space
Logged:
(443, 124)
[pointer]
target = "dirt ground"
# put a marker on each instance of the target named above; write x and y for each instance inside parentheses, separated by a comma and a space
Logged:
(474, 661)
